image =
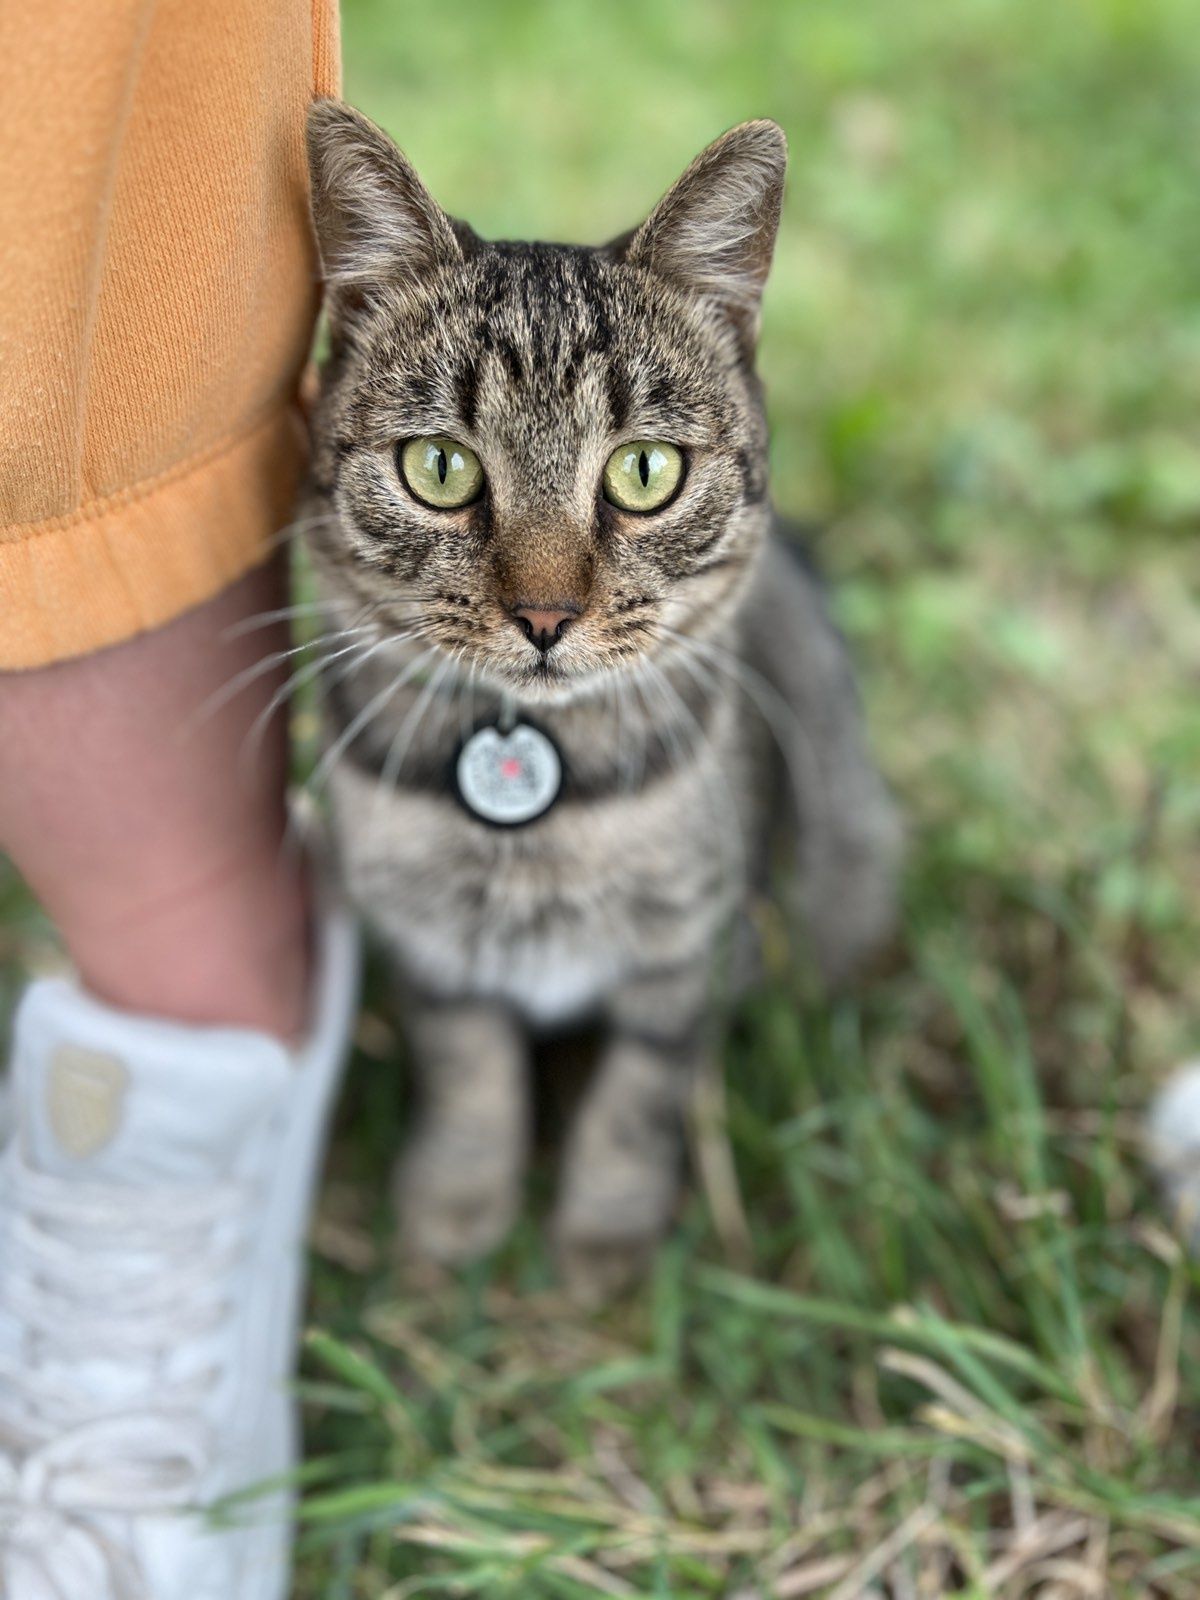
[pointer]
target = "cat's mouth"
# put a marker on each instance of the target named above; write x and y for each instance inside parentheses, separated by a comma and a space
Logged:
(546, 676)
(586, 655)
(556, 674)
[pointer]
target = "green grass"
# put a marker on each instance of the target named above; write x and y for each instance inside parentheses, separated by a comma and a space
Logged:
(922, 1327)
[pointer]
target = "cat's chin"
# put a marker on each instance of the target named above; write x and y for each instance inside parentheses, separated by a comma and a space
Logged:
(548, 684)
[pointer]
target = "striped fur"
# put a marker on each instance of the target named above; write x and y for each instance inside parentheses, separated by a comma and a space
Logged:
(701, 700)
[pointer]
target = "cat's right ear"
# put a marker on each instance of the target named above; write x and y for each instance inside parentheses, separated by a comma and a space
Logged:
(376, 223)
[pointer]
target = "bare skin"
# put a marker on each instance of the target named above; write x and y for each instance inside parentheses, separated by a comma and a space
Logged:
(153, 835)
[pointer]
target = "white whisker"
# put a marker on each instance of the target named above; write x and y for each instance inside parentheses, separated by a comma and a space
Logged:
(633, 683)
(303, 676)
(264, 619)
(309, 523)
(790, 735)
(248, 675)
(389, 777)
(373, 706)
(727, 816)
(466, 706)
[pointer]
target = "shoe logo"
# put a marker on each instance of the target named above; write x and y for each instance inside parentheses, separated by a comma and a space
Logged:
(84, 1096)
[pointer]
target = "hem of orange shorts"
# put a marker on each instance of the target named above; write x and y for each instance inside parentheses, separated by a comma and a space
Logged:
(139, 558)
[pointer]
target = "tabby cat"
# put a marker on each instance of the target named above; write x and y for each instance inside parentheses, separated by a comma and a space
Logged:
(578, 689)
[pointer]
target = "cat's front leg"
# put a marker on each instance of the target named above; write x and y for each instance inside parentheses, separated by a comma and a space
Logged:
(458, 1185)
(624, 1157)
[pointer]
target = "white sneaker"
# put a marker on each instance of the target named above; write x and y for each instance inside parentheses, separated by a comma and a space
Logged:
(154, 1198)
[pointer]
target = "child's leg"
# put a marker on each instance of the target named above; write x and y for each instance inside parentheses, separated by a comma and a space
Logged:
(151, 834)
(158, 1177)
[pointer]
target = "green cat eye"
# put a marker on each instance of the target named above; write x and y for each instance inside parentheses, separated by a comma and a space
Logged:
(642, 475)
(441, 472)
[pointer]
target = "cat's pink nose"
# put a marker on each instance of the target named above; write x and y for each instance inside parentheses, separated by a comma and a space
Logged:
(543, 624)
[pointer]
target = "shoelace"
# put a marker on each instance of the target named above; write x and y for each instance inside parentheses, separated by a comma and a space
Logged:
(93, 1272)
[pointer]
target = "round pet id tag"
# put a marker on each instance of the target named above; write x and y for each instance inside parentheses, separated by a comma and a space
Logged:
(508, 778)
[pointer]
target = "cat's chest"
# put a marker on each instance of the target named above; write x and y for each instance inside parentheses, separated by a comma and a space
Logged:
(527, 916)
(547, 916)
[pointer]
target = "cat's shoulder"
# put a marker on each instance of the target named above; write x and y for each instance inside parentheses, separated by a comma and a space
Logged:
(788, 629)
(787, 567)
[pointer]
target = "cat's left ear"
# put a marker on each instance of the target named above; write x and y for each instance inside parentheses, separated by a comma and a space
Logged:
(714, 231)
(375, 221)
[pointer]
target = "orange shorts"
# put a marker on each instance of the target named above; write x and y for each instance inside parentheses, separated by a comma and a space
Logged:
(157, 294)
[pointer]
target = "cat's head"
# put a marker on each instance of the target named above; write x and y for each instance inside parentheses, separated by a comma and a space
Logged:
(540, 458)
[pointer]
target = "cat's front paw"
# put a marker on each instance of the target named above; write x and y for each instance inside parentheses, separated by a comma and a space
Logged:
(595, 1271)
(606, 1234)
(453, 1209)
